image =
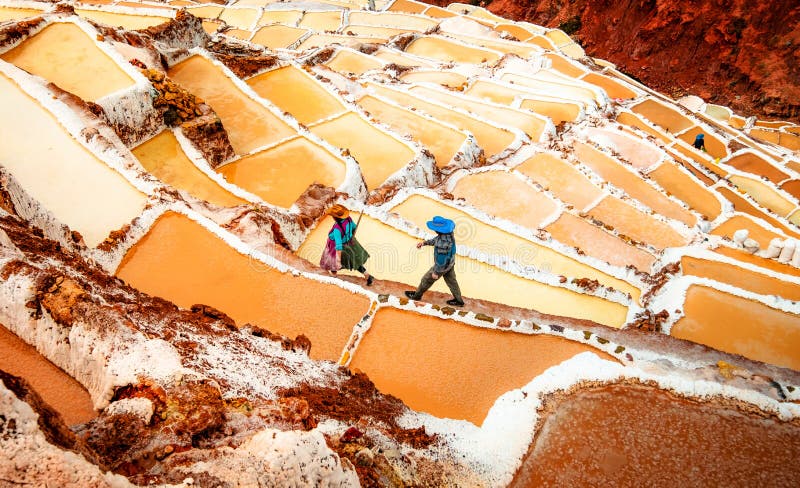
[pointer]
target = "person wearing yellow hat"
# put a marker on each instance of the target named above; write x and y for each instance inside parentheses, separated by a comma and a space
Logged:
(444, 254)
(342, 250)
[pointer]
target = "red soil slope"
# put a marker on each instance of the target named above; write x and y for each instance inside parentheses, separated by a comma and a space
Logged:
(738, 53)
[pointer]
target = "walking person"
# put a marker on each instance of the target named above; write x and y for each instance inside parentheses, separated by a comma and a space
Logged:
(444, 254)
(342, 250)
(699, 142)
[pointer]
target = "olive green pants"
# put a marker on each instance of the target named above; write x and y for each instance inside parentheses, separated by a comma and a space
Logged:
(449, 278)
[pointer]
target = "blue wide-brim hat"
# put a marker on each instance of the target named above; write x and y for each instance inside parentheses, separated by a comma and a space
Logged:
(441, 224)
(701, 136)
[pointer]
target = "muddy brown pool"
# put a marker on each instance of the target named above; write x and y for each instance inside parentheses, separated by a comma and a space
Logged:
(626, 435)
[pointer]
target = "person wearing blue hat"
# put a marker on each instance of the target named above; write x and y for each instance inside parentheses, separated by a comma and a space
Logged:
(699, 142)
(444, 254)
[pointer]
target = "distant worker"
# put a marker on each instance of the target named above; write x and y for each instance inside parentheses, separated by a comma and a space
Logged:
(342, 249)
(699, 142)
(444, 254)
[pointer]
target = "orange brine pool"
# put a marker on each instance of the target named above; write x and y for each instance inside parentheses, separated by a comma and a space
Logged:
(636, 224)
(249, 124)
(490, 192)
(740, 326)
(574, 231)
(445, 50)
(740, 277)
(663, 116)
(163, 157)
(379, 154)
(453, 370)
(182, 261)
(294, 91)
(561, 178)
(70, 182)
(615, 173)
(282, 173)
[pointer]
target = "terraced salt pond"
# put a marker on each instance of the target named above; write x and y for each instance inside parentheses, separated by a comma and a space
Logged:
(759, 261)
(250, 125)
(746, 207)
(740, 326)
(686, 189)
(745, 279)
(289, 17)
(523, 120)
(561, 178)
(402, 59)
(756, 231)
(79, 189)
(634, 120)
(613, 88)
(398, 21)
(594, 241)
(443, 141)
(322, 21)
(636, 224)
(548, 83)
(7, 13)
(345, 61)
(434, 367)
(281, 173)
(607, 436)
(636, 152)
(65, 55)
(294, 91)
(532, 206)
(379, 154)
(491, 138)
(558, 110)
(372, 30)
(446, 50)
(613, 172)
(182, 261)
(242, 18)
(278, 36)
(491, 240)
(765, 195)
(663, 116)
(321, 40)
(489, 192)
(58, 389)
(126, 21)
(446, 78)
(509, 47)
(395, 257)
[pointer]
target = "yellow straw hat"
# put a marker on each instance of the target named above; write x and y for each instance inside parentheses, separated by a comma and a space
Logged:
(338, 211)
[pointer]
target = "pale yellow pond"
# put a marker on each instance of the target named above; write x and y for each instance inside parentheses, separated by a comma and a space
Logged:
(378, 154)
(163, 157)
(65, 55)
(71, 183)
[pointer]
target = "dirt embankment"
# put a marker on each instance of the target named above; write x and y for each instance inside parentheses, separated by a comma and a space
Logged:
(737, 53)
